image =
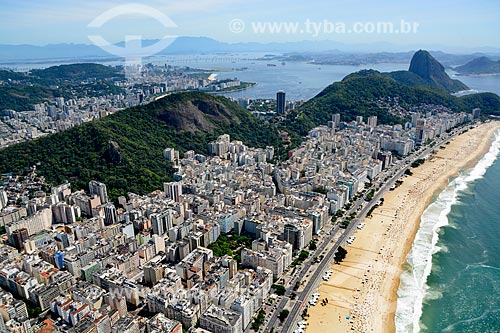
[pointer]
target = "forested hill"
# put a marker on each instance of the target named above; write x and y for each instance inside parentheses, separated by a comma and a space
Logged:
(357, 94)
(20, 91)
(478, 66)
(78, 72)
(124, 150)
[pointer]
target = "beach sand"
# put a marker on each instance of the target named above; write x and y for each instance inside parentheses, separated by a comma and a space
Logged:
(364, 286)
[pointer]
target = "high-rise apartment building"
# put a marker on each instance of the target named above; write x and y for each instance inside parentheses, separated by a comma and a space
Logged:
(280, 102)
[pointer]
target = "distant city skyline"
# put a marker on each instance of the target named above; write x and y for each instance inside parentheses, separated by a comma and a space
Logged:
(448, 23)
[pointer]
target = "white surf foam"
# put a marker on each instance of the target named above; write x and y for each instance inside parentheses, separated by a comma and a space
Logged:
(413, 289)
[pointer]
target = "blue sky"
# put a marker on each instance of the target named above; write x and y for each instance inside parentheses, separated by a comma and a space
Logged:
(455, 23)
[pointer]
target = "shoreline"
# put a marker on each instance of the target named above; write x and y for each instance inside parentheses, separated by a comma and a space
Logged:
(364, 287)
(479, 75)
(251, 85)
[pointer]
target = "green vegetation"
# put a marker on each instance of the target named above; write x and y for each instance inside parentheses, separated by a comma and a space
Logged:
(369, 213)
(228, 244)
(6, 75)
(71, 80)
(34, 311)
(312, 245)
(408, 172)
(22, 98)
(340, 255)
(353, 96)
(78, 72)
(283, 315)
(417, 163)
(242, 86)
(259, 320)
(481, 65)
(94, 89)
(300, 259)
(279, 289)
(374, 207)
(425, 66)
(370, 195)
(125, 150)
(357, 93)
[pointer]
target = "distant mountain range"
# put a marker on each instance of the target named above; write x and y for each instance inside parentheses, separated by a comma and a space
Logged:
(201, 45)
(482, 65)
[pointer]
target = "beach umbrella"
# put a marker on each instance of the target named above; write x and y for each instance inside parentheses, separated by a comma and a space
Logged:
(347, 317)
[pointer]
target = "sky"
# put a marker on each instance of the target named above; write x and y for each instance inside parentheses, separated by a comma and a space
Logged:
(454, 23)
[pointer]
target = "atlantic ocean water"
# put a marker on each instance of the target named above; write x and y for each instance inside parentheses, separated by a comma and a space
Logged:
(451, 282)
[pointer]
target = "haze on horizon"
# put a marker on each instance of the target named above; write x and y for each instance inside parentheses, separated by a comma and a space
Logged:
(461, 23)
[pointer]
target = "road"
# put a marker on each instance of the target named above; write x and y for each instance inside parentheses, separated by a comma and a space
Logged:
(302, 297)
(290, 323)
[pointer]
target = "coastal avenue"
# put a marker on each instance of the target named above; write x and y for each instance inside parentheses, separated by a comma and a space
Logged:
(290, 323)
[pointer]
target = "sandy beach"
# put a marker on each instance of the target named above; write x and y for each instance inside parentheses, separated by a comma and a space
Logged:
(364, 287)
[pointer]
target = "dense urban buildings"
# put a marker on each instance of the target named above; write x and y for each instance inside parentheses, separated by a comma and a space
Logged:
(89, 261)
(59, 113)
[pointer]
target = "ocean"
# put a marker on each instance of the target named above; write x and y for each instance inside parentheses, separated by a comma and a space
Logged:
(451, 282)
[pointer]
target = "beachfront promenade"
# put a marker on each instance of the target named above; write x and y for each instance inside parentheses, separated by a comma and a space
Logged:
(340, 235)
(362, 292)
(313, 282)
